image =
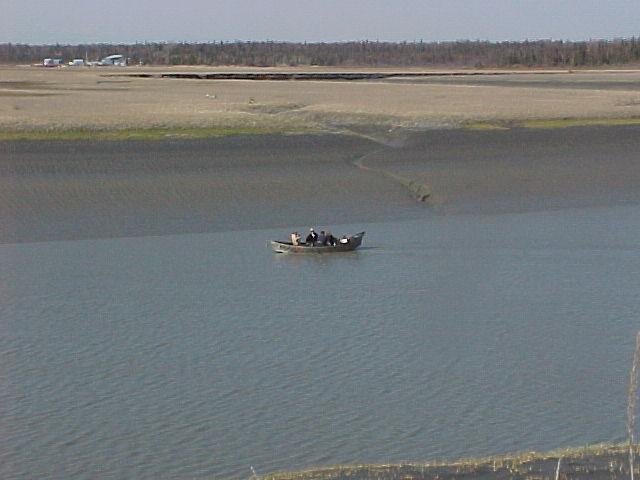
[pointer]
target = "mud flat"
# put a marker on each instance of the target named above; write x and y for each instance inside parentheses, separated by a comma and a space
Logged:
(517, 169)
(60, 190)
(78, 189)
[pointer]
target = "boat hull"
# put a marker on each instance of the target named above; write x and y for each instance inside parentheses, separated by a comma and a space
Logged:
(287, 247)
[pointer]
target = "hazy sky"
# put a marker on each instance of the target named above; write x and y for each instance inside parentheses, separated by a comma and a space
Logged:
(128, 21)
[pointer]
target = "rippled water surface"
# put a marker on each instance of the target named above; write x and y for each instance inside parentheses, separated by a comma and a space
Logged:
(190, 356)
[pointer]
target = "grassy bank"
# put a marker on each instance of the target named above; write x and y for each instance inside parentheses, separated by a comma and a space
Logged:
(551, 123)
(162, 133)
(591, 462)
(144, 133)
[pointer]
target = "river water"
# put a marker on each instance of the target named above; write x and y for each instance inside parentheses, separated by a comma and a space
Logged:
(201, 355)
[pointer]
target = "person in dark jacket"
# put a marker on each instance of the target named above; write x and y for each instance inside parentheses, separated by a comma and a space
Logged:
(312, 238)
(331, 240)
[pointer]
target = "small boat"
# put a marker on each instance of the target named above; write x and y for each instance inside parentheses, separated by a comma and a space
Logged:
(352, 243)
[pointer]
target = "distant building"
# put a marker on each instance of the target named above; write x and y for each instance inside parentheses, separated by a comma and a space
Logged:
(113, 60)
(51, 62)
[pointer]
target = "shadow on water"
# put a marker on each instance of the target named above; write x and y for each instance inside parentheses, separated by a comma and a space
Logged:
(316, 258)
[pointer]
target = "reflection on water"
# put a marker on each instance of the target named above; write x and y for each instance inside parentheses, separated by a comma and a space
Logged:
(199, 355)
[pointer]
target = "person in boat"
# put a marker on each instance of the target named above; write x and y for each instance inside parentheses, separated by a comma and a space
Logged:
(322, 238)
(331, 240)
(295, 238)
(312, 238)
(344, 240)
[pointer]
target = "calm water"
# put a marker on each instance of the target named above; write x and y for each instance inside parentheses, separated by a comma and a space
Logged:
(192, 356)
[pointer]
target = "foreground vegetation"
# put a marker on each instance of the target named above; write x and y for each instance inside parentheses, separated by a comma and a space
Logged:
(595, 462)
(592, 462)
(541, 53)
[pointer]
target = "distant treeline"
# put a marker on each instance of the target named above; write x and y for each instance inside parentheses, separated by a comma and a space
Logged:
(540, 53)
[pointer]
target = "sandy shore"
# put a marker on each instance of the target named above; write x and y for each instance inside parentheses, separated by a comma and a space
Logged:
(102, 98)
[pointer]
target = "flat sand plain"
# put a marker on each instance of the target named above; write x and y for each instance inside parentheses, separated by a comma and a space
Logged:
(36, 98)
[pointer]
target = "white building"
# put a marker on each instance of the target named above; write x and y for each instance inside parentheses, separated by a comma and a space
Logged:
(114, 60)
(51, 62)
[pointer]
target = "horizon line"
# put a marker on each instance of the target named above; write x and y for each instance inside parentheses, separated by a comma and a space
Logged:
(323, 42)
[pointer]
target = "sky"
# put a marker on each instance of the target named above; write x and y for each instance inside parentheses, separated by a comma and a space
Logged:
(130, 21)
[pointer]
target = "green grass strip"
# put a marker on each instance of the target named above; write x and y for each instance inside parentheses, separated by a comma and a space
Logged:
(144, 133)
(551, 123)
(579, 122)
(484, 126)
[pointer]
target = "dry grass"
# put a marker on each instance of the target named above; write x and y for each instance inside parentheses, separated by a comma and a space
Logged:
(603, 459)
(89, 99)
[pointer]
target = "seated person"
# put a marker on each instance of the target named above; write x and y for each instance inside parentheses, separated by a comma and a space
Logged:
(312, 238)
(344, 240)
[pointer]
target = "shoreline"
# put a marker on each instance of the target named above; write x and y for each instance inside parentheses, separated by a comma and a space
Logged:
(377, 132)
